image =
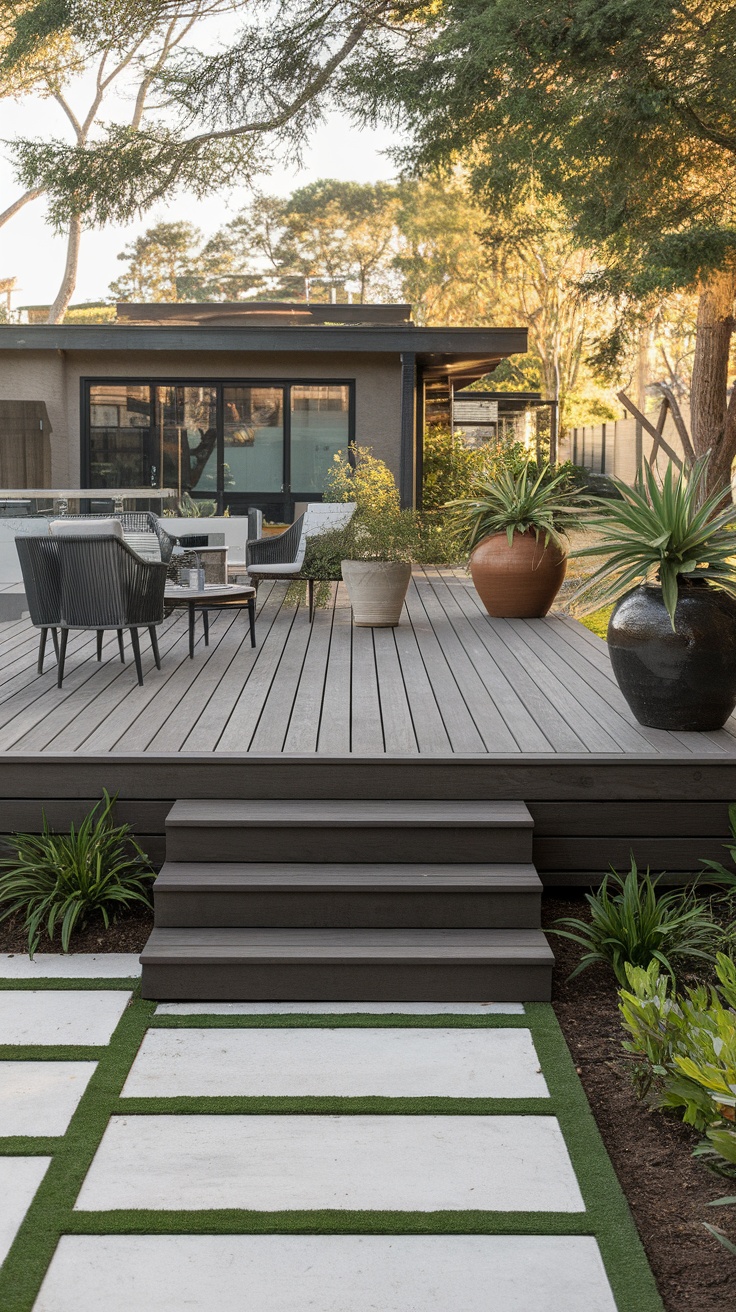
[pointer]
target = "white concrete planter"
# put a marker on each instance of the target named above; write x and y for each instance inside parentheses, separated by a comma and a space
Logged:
(377, 589)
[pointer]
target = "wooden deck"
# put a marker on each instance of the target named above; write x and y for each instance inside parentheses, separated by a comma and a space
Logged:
(448, 681)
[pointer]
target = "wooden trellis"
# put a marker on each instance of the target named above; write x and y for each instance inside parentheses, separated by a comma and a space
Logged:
(669, 403)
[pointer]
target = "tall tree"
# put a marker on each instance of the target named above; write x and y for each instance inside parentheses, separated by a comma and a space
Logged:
(625, 111)
(156, 261)
(198, 119)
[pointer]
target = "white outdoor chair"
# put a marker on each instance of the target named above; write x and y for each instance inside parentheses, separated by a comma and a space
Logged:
(282, 556)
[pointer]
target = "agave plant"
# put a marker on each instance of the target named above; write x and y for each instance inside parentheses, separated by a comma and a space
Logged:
(528, 501)
(61, 879)
(666, 532)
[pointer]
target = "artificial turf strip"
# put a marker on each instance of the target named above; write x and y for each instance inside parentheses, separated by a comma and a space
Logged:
(353, 1021)
(51, 1212)
(130, 984)
(333, 1106)
(607, 1215)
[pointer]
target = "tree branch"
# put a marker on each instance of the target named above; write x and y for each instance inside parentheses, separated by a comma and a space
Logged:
(18, 204)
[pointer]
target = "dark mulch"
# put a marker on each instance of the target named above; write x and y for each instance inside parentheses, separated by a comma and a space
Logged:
(668, 1190)
(129, 934)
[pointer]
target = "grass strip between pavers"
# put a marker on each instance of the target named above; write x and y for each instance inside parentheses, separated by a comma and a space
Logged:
(353, 1020)
(51, 1214)
(127, 984)
(628, 1270)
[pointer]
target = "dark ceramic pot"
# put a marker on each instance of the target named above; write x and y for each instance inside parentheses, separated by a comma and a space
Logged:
(684, 680)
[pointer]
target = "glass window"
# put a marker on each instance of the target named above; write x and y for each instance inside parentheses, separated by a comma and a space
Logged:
(320, 417)
(253, 424)
(122, 452)
(186, 433)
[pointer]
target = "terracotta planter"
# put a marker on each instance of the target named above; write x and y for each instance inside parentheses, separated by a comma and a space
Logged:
(377, 589)
(519, 581)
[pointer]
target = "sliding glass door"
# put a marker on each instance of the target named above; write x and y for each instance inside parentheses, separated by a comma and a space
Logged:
(267, 444)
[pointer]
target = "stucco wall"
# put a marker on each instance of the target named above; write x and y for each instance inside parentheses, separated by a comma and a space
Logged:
(54, 377)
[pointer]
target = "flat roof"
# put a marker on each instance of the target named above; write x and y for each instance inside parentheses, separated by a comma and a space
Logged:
(441, 352)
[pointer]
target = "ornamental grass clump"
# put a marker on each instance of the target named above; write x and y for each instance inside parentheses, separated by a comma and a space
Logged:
(631, 923)
(527, 500)
(668, 532)
(61, 880)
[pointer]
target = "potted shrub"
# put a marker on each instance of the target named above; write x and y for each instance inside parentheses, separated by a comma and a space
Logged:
(672, 637)
(377, 566)
(514, 528)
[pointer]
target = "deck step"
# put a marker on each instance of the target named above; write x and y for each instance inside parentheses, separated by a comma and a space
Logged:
(315, 896)
(369, 965)
(349, 831)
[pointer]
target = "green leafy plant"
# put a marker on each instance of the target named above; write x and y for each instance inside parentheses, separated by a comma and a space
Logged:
(684, 1050)
(357, 475)
(189, 508)
(60, 880)
(631, 923)
(529, 500)
(668, 532)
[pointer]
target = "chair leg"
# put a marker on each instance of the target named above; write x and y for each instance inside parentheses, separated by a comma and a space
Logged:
(62, 657)
(154, 645)
(55, 640)
(137, 655)
(41, 649)
(99, 644)
(121, 646)
(252, 620)
(310, 594)
(206, 624)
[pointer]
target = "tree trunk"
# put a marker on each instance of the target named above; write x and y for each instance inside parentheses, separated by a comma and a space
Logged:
(69, 280)
(709, 395)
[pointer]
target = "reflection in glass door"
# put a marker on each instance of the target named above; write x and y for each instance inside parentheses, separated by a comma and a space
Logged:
(186, 430)
(253, 439)
(122, 451)
(320, 427)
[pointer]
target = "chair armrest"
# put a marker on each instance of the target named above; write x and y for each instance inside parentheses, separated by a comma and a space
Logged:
(279, 550)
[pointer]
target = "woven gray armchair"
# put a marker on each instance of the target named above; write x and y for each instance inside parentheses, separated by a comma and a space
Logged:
(277, 557)
(136, 524)
(39, 563)
(105, 585)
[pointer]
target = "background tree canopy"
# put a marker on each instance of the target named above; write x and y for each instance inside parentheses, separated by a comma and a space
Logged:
(625, 112)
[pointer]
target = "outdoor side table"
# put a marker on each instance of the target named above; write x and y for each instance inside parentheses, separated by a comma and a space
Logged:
(216, 597)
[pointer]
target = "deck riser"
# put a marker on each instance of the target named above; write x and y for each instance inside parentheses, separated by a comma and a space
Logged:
(335, 910)
(380, 981)
(375, 843)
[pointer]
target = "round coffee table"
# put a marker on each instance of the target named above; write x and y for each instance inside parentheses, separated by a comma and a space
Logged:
(224, 596)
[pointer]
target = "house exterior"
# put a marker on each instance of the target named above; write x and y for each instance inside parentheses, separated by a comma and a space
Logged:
(242, 403)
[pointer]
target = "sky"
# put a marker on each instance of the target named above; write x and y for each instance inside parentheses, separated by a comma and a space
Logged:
(32, 253)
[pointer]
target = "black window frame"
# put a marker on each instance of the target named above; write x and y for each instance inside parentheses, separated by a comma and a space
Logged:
(235, 501)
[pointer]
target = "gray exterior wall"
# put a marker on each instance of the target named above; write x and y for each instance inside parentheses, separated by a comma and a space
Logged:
(54, 377)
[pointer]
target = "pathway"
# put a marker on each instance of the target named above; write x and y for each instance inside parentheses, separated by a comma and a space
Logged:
(285, 1157)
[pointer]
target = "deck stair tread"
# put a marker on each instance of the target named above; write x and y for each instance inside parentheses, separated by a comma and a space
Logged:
(348, 814)
(201, 946)
(196, 876)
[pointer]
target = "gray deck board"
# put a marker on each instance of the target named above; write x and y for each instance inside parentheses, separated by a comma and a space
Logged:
(462, 732)
(334, 721)
(449, 680)
(366, 728)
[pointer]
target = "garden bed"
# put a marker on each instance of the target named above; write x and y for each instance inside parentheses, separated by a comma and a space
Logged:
(668, 1191)
(128, 934)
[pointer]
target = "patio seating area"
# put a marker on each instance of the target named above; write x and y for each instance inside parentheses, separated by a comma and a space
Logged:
(448, 681)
